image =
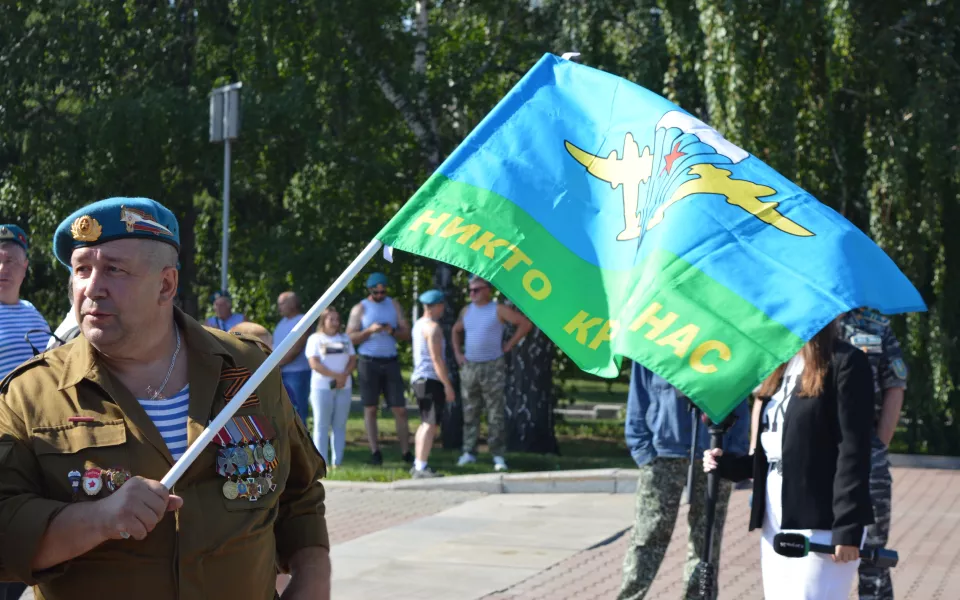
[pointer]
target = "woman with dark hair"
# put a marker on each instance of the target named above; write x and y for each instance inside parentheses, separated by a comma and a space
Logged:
(811, 467)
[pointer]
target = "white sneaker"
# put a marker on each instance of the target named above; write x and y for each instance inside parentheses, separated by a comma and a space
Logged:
(465, 459)
(499, 464)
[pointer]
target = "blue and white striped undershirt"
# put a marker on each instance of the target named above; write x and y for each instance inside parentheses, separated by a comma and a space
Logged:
(170, 417)
(15, 321)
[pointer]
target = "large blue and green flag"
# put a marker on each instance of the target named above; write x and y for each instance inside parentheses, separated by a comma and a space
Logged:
(623, 226)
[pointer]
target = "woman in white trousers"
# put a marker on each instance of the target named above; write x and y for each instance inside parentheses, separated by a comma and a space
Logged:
(332, 361)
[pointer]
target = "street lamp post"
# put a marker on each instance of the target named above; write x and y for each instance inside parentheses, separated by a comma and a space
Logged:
(225, 127)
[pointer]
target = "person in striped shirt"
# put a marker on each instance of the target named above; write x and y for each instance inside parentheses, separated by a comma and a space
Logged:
(19, 320)
(89, 429)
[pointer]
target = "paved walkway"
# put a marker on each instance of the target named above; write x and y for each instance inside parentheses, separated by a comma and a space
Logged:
(476, 548)
(558, 546)
(466, 545)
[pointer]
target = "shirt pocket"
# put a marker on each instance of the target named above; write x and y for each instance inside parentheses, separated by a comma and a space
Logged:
(76, 437)
(61, 449)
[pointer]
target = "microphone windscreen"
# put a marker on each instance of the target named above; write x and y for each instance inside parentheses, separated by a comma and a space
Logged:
(791, 545)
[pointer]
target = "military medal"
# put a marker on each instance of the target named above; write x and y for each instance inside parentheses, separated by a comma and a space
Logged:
(92, 482)
(117, 478)
(221, 462)
(269, 453)
(75, 477)
(252, 490)
(230, 489)
(247, 442)
(239, 455)
(270, 484)
(241, 489)
(266, 433)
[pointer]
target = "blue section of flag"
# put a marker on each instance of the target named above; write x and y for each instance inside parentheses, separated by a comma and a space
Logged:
(765, 239)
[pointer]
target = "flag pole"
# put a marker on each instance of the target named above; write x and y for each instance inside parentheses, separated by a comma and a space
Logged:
(272, 362)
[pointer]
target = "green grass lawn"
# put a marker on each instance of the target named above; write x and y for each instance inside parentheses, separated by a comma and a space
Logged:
(586, 390)
(593, 391)
(583, 445)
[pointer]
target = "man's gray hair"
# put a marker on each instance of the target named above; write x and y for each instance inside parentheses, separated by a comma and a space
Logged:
(162, 255)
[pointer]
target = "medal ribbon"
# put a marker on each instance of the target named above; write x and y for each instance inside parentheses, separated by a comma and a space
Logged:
(269, 433)
(235, 436)
(245, 429)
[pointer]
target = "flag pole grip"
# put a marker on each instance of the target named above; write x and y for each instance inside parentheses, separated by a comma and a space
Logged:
(171, 478)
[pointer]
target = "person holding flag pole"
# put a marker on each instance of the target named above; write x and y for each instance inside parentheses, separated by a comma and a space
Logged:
(88, 430)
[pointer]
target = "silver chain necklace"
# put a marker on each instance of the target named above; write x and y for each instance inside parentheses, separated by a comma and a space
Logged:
(173, 361)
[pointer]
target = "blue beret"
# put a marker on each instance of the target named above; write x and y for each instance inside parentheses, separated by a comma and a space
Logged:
(376, 279)
(432, 297)
(12, 233)
(115, 219)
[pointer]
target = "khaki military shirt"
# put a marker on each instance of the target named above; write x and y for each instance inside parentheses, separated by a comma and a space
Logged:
(64, 411)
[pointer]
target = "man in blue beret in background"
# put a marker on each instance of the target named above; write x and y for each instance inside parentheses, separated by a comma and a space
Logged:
(19, 320)
(87, 430)
(430, 379)
(375, 325)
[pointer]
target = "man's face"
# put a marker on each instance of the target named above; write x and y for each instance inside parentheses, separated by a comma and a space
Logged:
(479, 291)
(434, 311)
(223, 307)
(378, 293)
(287, 305)
(119, 291)
(13, 269)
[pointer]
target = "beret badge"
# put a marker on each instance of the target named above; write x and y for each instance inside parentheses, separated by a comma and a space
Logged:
(85, 229)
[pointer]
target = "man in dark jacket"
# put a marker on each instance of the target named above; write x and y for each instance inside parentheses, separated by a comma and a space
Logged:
(658, 432)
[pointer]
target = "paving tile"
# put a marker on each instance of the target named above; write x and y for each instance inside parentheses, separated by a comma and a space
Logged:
(925, 531)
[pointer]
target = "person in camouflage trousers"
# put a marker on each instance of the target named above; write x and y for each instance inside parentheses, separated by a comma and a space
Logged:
(658, 432)
(659, 486)
(482, 386)
(479, 346)
(870, 332)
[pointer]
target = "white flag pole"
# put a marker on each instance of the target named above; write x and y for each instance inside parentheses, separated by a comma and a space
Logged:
(171, 478)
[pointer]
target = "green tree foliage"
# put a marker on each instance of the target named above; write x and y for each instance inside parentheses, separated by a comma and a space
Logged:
(348, 106)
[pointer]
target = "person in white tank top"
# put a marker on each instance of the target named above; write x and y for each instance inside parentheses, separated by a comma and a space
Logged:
(479, 347)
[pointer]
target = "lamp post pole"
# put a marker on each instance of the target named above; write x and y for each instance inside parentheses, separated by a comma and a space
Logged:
(225, 127)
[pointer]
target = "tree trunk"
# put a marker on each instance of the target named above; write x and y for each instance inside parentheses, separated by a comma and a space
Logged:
(530, 397)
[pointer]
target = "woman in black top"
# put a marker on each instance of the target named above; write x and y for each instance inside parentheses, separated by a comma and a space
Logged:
(811, 467)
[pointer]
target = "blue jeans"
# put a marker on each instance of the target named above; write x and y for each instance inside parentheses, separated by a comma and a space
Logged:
(298, 388)
(330, 409)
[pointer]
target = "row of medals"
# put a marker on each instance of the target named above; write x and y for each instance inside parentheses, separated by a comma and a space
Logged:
(247, 464)
(92, 480)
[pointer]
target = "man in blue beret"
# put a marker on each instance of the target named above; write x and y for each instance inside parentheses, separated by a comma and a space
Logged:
(430, 379)
(375, 325)
(19, 322)
(87, 431)
(21, 326)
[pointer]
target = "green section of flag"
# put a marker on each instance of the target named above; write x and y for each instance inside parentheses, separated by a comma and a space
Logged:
(665, 313)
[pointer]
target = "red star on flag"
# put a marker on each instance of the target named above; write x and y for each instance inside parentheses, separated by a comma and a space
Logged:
(672, 157)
